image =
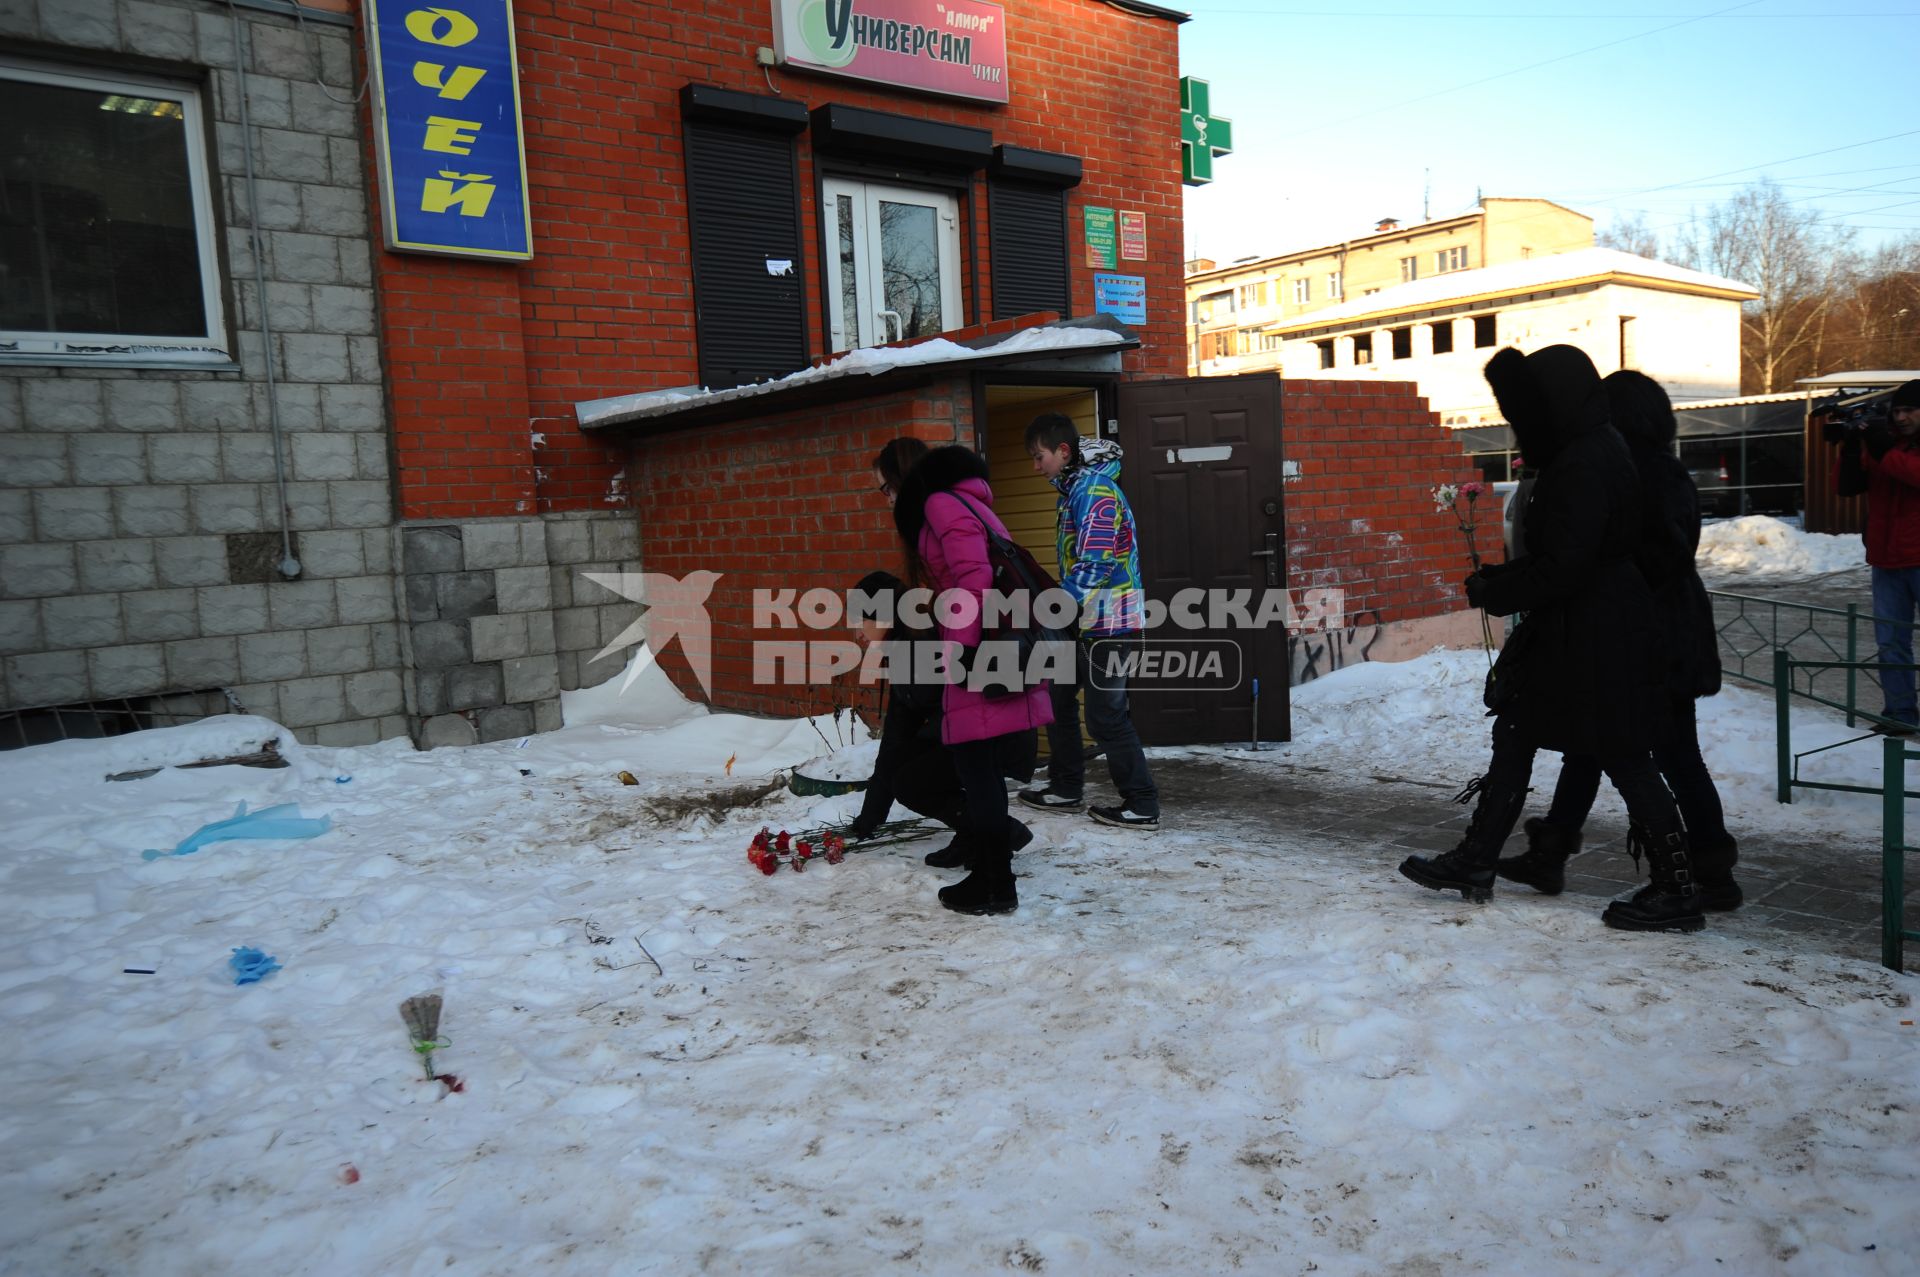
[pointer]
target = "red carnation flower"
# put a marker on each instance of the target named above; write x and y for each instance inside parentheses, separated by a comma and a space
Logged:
(781, 840)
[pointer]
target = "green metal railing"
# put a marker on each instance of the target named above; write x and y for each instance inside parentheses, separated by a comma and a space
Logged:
(1750, 630)
(1815, 653)
(1892, 788)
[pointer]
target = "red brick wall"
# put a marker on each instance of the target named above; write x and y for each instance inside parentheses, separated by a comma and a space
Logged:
(778, 503)
(789, 502)
(483, 355)
(1361, 515)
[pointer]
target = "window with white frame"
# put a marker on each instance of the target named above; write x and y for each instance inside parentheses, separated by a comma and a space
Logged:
(1454, 258)
(1409, 269)
(1302, 291)
(1336, 284)
(893, 263)
(107, 231)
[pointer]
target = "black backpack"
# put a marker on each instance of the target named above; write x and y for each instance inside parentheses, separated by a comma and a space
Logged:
(1014, 570)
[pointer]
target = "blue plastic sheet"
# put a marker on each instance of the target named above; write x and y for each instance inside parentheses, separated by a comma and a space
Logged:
(250, 966)
(283, 821)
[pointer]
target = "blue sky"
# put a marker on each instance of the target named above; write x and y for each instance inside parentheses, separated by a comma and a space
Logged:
(1340, 111)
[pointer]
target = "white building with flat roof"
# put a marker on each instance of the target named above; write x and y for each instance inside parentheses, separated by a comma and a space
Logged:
(1681, 327)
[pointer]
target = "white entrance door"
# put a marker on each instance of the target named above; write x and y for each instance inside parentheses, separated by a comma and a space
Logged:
(893, 263)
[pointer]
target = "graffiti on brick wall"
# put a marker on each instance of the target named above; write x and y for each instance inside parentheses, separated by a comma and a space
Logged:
(1313, 654)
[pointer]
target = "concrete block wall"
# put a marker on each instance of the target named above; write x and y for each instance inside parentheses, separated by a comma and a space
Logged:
(499, 620)
(139, 514)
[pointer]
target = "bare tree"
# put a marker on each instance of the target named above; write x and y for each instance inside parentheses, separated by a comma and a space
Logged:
(1630, 235)
(1879, 319)
(1798, 264)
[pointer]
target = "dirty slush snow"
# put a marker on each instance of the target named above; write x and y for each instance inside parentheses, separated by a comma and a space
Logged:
(1186, 1053)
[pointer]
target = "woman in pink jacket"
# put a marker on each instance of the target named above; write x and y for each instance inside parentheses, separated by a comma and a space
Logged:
(942, 511)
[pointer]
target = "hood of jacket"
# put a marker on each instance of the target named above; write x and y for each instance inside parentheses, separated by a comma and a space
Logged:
(1550, 398)
(942, 470)
(1640, 410)
(1100, 457)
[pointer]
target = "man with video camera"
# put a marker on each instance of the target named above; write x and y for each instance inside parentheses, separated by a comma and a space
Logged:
(1880, 456)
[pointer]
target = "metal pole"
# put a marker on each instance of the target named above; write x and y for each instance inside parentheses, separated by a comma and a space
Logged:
(1782, 726)
(1853, 654)
(1893, 850)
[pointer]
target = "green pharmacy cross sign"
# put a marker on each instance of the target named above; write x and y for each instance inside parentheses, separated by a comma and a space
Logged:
(1203, 135)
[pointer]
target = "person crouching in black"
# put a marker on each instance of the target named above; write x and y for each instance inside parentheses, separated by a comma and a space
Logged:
(913, 768)
(1581, 674)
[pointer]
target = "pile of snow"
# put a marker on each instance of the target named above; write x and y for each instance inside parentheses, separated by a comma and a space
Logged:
(1192, 1052)
(1758, 545)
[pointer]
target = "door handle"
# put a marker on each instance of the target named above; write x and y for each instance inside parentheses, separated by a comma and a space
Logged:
(1272, 555)
(885, 328)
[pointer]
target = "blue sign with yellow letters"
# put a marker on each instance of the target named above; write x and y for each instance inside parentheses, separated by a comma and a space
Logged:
(446, 85)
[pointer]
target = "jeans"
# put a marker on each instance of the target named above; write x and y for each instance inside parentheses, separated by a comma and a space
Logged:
(1677, 756)
(1111, 728)
(1896, 593)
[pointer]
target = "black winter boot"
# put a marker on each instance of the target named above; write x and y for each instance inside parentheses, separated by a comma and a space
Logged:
(958, 854)
(1713, 861)
(1671, 902)
(1543, 865)
(988, 889)
(1468, 868)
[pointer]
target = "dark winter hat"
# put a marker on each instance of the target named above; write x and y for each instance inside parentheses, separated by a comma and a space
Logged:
(1908, 396)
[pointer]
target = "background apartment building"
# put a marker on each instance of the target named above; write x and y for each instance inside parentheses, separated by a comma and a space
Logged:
(1232, 308)
(1429, 305)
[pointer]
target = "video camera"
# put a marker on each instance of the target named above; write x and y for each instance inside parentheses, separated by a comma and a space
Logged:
(1850, 416)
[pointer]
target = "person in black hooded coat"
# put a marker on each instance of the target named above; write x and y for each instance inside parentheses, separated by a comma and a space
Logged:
(1581, 673)
(1669, 536)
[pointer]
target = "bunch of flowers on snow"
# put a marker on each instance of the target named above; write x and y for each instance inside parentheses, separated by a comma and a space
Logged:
(768, 850)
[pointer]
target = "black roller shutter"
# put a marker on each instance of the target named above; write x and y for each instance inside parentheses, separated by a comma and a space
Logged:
(743, 198)
(1027, 226)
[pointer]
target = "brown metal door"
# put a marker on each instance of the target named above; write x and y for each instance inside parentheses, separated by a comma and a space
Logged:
(1204, 474)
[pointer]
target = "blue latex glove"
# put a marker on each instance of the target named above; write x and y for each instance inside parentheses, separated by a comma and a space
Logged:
(250, 966)
(283, 821)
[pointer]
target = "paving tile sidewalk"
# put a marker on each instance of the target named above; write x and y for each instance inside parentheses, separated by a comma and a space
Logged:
(1827, 893)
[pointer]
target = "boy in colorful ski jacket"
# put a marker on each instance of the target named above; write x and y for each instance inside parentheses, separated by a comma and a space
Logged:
(1100, 567)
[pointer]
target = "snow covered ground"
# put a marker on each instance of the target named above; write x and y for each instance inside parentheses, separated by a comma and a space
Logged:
(1188, 1053)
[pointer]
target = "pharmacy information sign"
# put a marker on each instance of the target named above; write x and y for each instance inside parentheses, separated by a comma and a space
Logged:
(1122, 296)
(953, 47)
(446, 94)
